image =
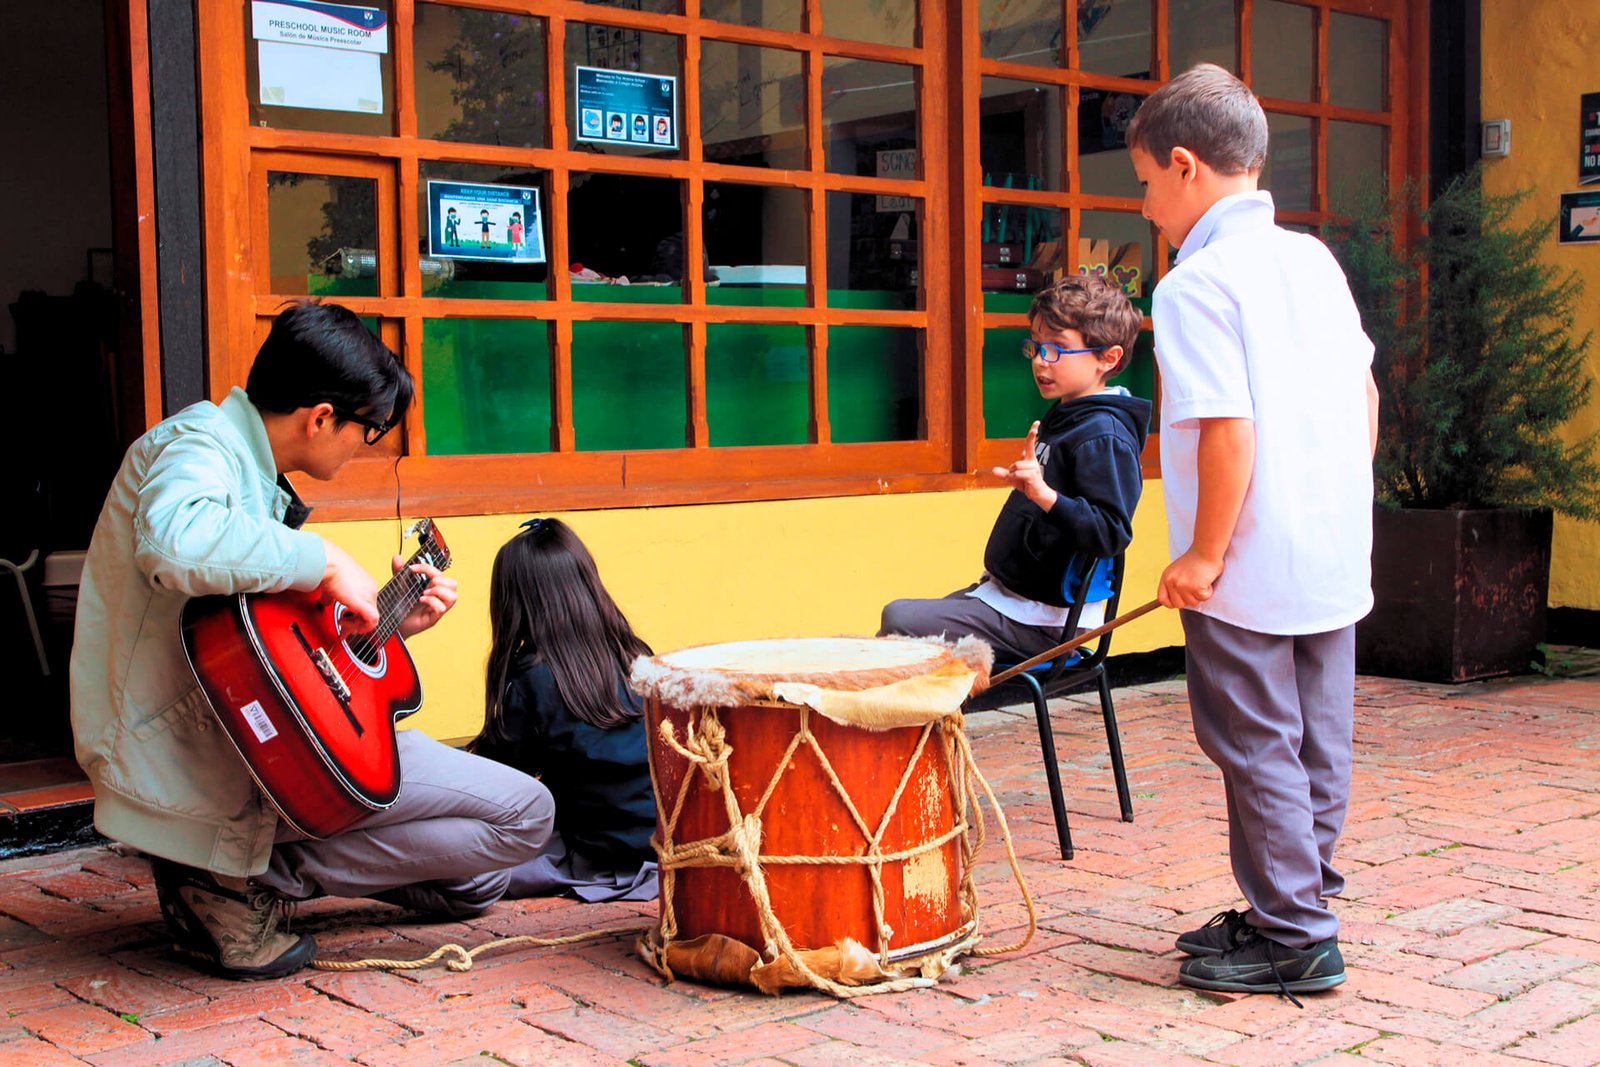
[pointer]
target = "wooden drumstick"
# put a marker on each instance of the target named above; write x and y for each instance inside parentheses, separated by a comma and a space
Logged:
(1081, 639)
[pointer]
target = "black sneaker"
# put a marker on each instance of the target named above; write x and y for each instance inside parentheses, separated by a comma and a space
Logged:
(1223, 932)
(1262, 965)
(231, 924)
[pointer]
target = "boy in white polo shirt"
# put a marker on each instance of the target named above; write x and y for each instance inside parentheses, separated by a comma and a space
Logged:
(1268, 423)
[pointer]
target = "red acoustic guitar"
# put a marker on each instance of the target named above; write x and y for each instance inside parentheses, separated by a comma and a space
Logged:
(310, 708)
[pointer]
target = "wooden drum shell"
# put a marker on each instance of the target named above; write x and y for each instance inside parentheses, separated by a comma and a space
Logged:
(818, 904)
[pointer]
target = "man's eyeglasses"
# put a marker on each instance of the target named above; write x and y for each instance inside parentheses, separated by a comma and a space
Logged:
(373, 430)
(1049, 352)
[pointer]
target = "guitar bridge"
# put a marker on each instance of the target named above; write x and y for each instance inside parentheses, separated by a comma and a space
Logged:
(329, 675)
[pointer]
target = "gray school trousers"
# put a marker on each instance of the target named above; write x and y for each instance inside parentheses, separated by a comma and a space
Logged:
(446, 845)
(1276, 714)
(959, 615)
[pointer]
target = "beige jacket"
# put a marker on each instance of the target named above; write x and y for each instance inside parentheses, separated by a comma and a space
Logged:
(196, 508)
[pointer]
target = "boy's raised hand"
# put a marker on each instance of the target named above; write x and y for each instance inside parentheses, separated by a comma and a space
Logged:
(1026, 476)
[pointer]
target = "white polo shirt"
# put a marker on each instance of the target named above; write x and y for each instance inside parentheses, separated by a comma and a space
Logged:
(1257, 322)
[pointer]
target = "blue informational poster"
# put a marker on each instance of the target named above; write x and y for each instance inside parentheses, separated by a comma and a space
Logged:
(625, 107)
(493, 222)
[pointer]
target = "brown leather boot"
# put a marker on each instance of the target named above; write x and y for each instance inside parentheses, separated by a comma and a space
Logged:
(229, 923)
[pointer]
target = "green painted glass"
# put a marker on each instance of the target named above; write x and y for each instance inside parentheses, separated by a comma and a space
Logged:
(1010, 400)
(874, 384)
(758, 384)
(487, 384)
(630, 385)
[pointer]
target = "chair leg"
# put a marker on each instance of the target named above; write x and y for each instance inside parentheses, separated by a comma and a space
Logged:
(1119, 770)
(1052, 770)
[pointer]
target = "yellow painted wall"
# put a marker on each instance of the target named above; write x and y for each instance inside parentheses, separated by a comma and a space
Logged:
(725, 572)
(1538, 58)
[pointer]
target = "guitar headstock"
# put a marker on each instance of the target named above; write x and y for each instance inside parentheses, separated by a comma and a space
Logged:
(431, 547)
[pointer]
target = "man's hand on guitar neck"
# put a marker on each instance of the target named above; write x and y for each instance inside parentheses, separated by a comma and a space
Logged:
(346, 581)
(438, 598)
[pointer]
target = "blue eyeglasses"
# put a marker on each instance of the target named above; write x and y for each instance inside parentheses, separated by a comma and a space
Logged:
(1049, 352)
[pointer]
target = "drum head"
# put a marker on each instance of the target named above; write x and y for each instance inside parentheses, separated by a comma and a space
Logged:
(741, 672)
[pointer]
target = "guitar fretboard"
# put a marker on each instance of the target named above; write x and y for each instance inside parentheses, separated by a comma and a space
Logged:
(404, 590)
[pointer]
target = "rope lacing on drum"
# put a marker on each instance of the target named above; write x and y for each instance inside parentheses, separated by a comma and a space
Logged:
(705, 746)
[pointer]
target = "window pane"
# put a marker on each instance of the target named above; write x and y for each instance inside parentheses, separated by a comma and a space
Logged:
(1011, 400)
(758, 384)
(630, 386)
(752, 106)
(449, 276)
(1288, 173)
(1019, 135)
(1356, 155)
(480, 76)
(868, 109)
(488, 386)
(1358, 61)
(1283, 50)
(624, 226)
(1119, 246)
(1202, 31)
(1103, 118)
(1139, 375)
(1114, 37)
(1021, 245)
(1021, 31)
(873, 250)
(882, 22)
(662, 7)
(768, 14)
(323, 234)
(755, 235)
(874, 383)
(294, 86)
(620, 48)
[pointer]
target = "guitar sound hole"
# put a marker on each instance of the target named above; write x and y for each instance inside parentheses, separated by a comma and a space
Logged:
(366, 650)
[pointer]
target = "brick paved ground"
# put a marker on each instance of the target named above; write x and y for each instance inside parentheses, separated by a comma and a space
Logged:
(1471, 929)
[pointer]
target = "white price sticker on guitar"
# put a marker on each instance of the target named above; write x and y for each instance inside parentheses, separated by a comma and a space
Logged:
(260, 723)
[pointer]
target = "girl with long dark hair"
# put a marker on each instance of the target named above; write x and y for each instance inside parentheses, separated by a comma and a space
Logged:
(558, 706)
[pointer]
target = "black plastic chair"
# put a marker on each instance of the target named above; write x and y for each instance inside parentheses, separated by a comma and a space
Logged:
(1100, 579)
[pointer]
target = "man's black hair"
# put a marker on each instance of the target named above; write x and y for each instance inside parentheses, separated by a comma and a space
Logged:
(323, 352)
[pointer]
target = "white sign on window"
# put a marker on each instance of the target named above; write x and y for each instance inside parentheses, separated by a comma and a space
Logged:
(310, 22)
(322, 56)
(897, 163)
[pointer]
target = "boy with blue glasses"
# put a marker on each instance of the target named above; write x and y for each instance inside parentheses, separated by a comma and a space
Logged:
(1074, 489)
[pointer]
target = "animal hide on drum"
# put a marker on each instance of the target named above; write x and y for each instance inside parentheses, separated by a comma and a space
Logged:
(725, 961)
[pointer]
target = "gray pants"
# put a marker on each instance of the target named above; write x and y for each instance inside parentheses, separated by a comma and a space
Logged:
(959, 615)
(446, 846)
(1276, 714)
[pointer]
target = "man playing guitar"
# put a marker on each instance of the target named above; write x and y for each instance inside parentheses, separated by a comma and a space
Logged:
(200, 506)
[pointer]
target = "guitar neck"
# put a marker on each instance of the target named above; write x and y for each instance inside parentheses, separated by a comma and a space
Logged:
(404, 590)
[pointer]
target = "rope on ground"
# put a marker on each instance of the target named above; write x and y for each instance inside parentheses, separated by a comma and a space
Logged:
(460, 958)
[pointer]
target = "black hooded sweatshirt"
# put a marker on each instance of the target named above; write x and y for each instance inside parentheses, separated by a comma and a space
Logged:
(1089, 452)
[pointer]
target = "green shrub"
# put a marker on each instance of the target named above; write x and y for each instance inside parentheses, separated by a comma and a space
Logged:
(1479, 359)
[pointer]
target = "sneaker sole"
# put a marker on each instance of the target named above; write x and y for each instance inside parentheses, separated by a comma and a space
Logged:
(295, 959)
(1302, 985)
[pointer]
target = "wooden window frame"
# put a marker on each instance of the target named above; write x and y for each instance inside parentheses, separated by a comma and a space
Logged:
(949, 68)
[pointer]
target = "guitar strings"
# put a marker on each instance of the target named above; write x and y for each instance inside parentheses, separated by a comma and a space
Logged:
(364, 646)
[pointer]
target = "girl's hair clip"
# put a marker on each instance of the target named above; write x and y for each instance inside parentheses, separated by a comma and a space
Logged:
(534, 524)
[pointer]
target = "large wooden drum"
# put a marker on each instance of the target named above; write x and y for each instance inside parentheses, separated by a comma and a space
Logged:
(810, 791)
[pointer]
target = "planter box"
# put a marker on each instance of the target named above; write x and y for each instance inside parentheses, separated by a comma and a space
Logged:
(1458, 594)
